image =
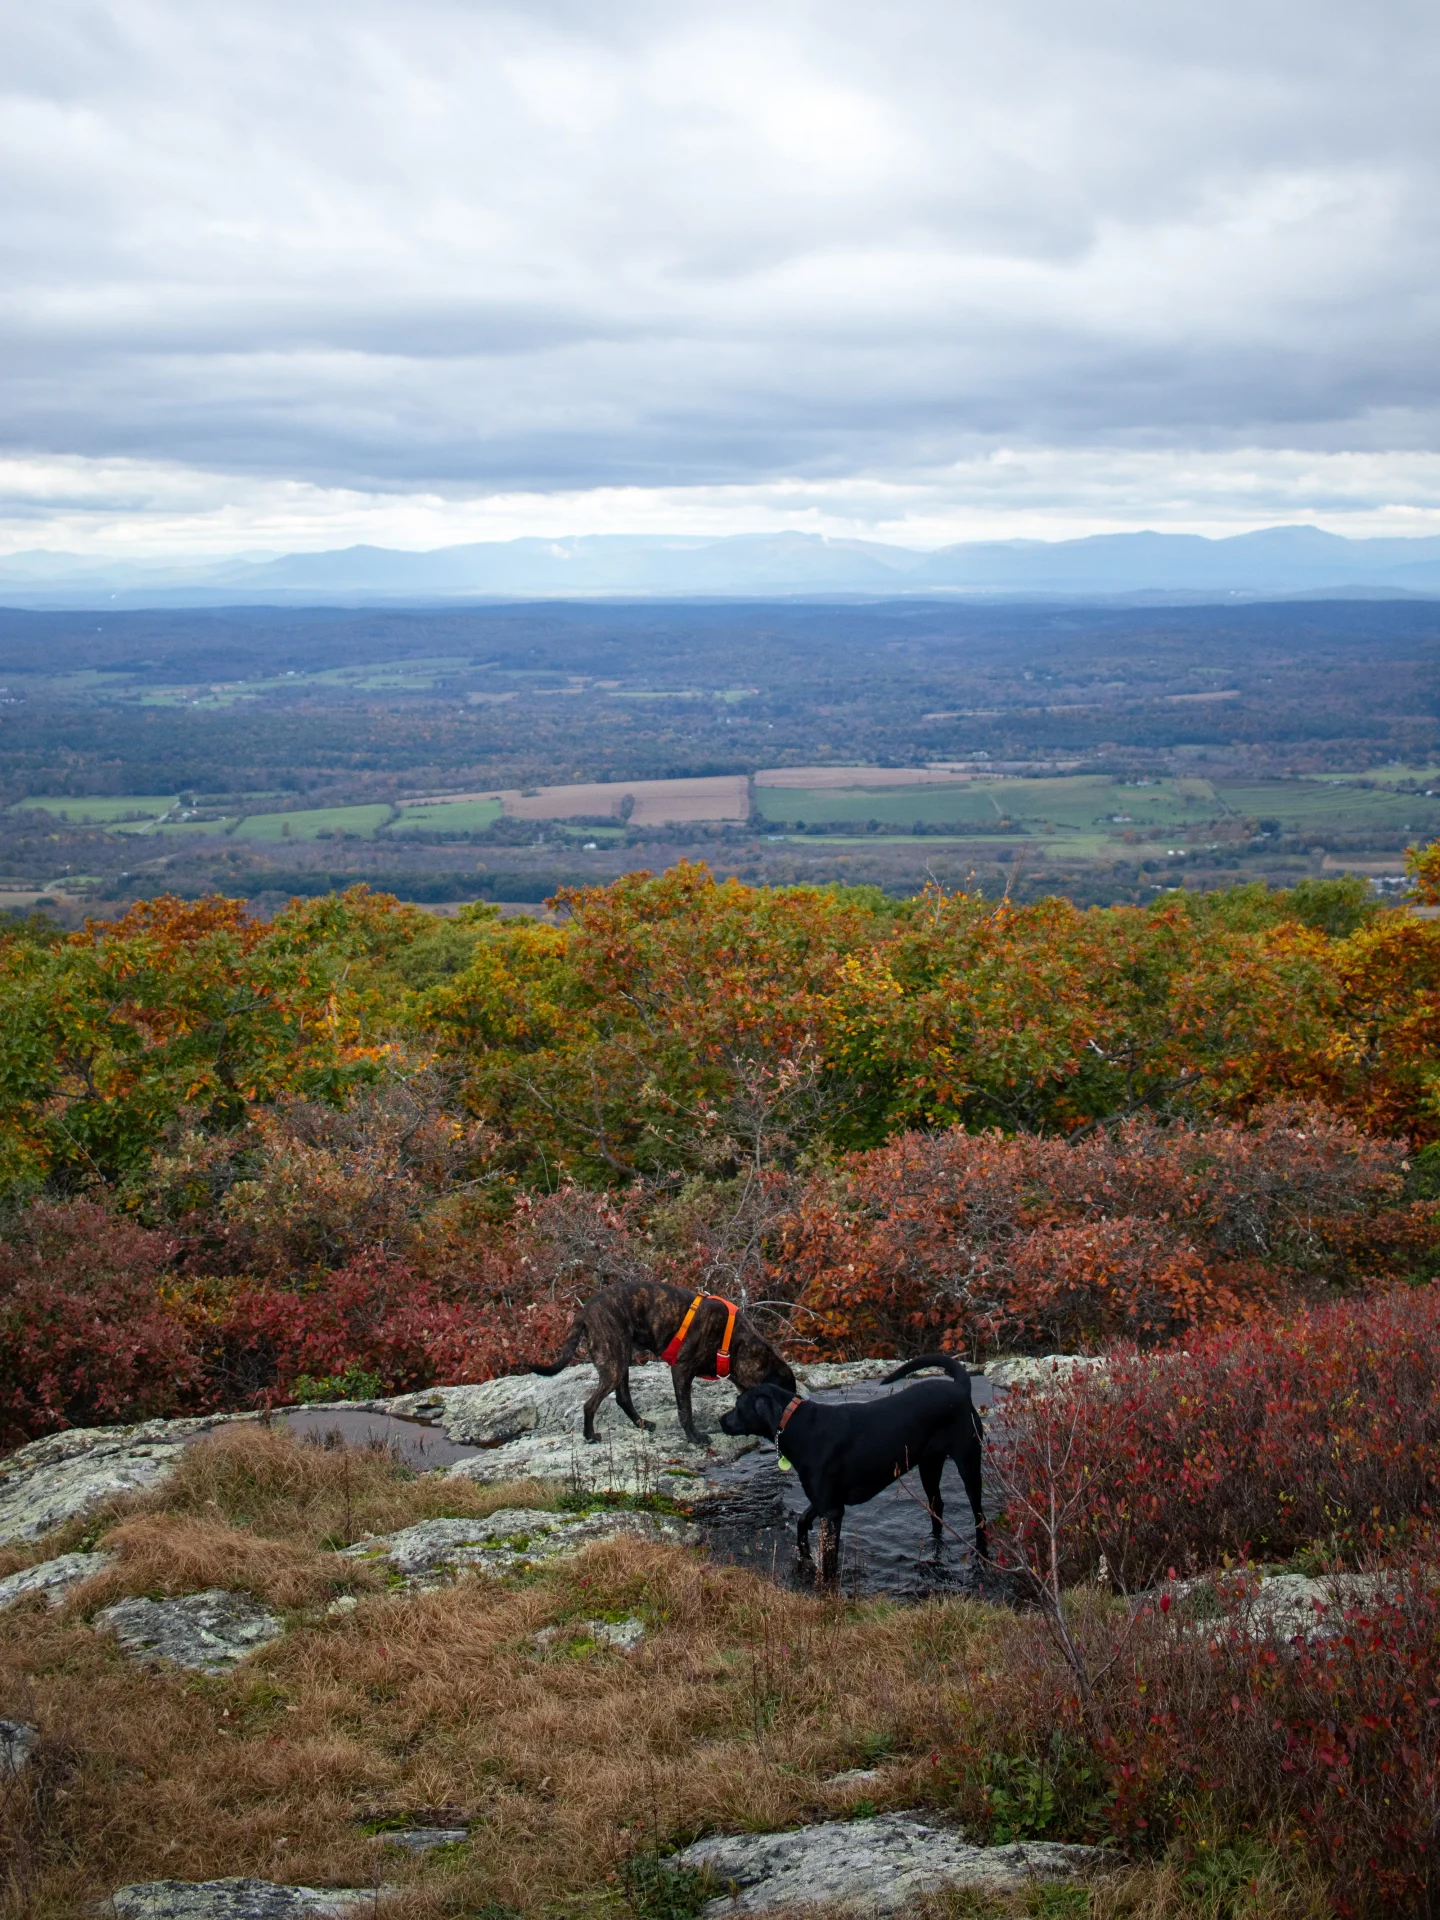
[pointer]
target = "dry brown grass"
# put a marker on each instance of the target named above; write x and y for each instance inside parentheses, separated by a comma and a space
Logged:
(740, 1703)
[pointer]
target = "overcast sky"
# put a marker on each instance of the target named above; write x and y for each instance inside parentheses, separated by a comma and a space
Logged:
(291, 275)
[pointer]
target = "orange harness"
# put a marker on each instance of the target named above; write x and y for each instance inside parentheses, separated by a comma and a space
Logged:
(722, 1358)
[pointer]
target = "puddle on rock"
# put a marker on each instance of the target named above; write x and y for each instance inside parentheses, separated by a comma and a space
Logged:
(415, 1442)
(748, 1517)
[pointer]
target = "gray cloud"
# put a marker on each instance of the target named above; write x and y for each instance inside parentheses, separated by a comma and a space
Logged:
(369, 244)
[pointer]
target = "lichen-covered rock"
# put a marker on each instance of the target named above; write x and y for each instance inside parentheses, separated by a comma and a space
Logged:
(624, 1635)
(235, 1899)
(53, 1578)
(1278, 1606)
(880, 1865)
(207, 1632)
(432, 1552)
(1038, 1370)
(17, 1743)
(425, 1839)
(48, 1482)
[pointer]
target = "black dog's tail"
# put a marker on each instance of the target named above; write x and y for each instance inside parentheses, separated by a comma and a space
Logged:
(567, 1352)
(956, 1369)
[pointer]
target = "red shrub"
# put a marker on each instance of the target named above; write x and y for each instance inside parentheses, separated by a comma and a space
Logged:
(376, 1316)
(1254, 1441)
(977, 1241)
(86, 1336)
(1327, 1745)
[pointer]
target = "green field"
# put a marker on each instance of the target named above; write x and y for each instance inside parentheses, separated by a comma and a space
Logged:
(180, 828)
(1093, 804)
(310, 825)
(460, 816)
(1075, 803)
(101, 812)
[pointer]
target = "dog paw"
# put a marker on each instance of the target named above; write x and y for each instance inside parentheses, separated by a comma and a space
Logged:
(648, 1425)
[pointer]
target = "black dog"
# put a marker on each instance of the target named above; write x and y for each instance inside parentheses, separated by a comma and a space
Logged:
(846, 1454)
(702, 1337)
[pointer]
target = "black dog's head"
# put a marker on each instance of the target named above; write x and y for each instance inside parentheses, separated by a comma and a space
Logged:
(758, 1410)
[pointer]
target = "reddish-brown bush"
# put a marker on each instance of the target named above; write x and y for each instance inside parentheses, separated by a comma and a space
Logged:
(85, 1337)
(1325, 1745)
(977, 1241)
(376, 1317)
(1254, 1441)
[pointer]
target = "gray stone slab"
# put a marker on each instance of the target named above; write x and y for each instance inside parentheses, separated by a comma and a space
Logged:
(879, 1865)
(431, 1553)
(53, 1578)
(234, 1899)
(425, 1839)
(1279, 1606)
(51, 1480)
(208, 1632)
(624, 1635)
(17, 1744)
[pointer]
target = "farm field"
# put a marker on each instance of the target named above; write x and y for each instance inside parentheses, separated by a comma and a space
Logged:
(103, 811)
(310, 824)
(466, 815)
(657, 802)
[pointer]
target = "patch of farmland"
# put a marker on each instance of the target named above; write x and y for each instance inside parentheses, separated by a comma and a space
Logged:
(1299, 804)
(311, 824)
(103, 812)
(848, 779)
(658, 803)
(456, 816)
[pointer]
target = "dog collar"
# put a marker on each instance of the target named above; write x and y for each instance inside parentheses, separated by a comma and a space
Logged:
(796, 1402)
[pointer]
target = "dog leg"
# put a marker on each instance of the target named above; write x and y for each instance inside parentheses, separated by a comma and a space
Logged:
(829, 1568)
(684, 1380)
(931, 1468)
(802, 1532)
(610, 1377)
(968, 1460)
(627, 1405)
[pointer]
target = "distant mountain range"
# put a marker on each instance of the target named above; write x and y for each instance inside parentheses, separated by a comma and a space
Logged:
(1280, 561)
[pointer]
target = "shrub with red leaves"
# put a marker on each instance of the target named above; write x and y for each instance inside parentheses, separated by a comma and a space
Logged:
(86, 1337)
(380, 1317)
(1328, 1744)
(1253, 1441)
(1141, 1232)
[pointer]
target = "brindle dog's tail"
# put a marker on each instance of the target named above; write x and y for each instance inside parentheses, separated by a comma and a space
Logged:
(567, 1352)
(956, 1368)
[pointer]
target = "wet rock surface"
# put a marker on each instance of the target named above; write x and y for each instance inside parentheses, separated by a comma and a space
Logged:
(17, 1743)
(879, 1865)
(53, 1578)
(234, 1899)
(207, 1632)
(431, 1553)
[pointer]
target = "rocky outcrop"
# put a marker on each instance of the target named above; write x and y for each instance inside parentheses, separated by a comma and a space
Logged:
(425, 1839)
(879, 1865)
(53, 1578)
(236, 1899)
(624, 1635)
(1274, 1606)
(431, 1553)
(50, 1481)
(207, 1632)
(17, 1744)
(522, 1427)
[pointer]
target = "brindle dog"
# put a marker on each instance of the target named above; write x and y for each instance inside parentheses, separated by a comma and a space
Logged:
(645, 1314)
